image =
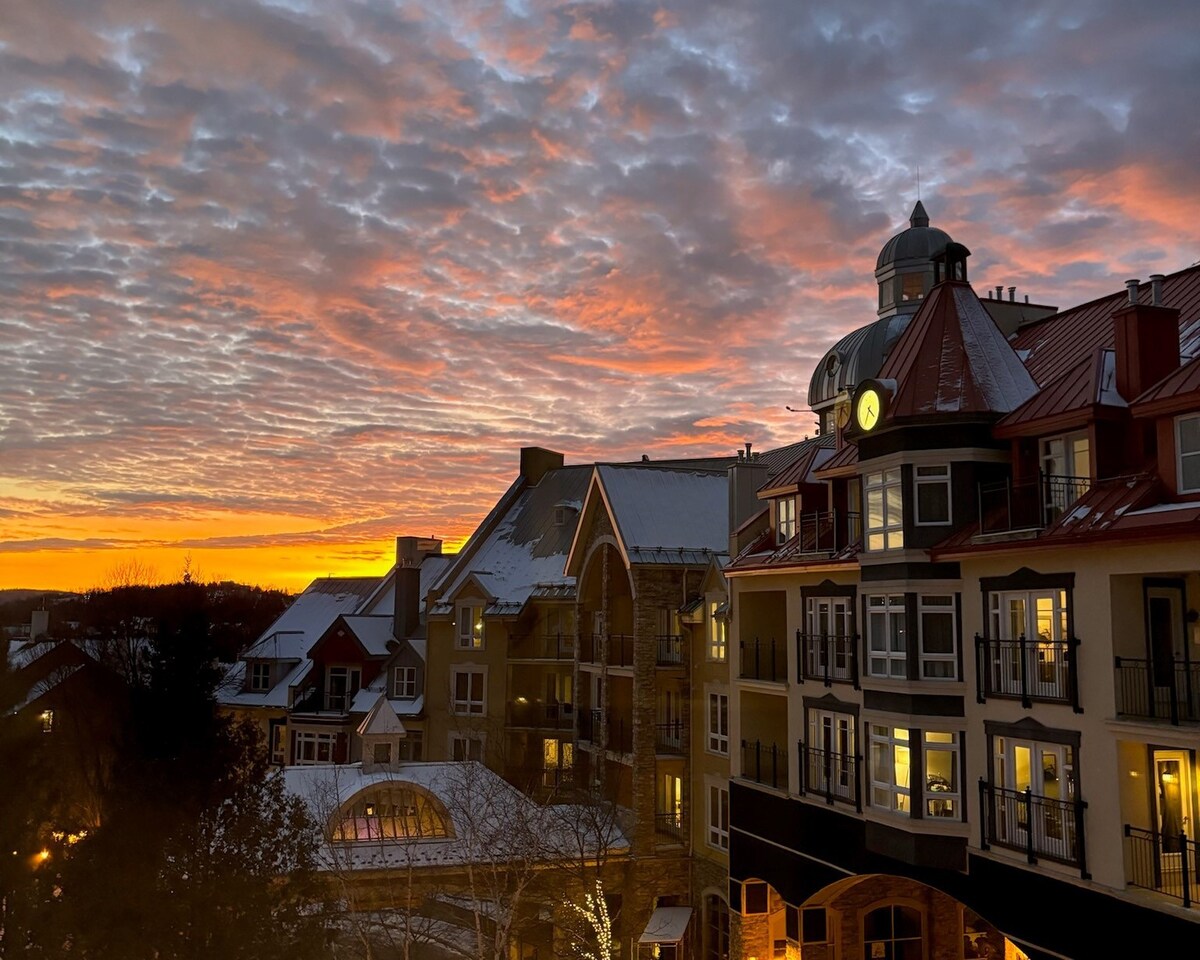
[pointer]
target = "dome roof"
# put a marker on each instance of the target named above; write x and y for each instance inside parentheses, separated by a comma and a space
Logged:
(919, 242)
(854, 358)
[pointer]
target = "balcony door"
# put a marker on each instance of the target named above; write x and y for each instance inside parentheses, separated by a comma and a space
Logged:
(1164, 632)
(1041, 618)
(831, 753)
(829, 617)
(1047, 771)
(1173, 812)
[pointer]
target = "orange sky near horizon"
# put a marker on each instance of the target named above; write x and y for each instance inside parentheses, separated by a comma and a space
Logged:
(280, 282)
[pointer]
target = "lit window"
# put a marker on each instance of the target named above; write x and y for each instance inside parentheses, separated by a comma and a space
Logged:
(1188, 441)
(468, 685)
(890, 761)
(1066, 472)
(47, 719)
(404, 683)
(718, 817)
(932, 495)
(718, 723)
(466, 747)
(893, 931)
(718, 637)
(785, 519)
(885, 510)
(914, 286)
(939, 651)
(470, 628)
(941, 775)
(887, 637)
(260, 676)
(392, 813)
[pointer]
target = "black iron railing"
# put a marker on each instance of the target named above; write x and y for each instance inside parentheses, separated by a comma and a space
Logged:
(542, 646)
(590, 645)
(668, 737)
(1009, 505)
(1158, 689)
(828, 531)
(832, 775)
(619, 734)
(668, 650)
(1028, 670)
(763, 660)
(1166, 863)
(1041, 827)
(554, 778)
(765, 763)
(671, 827)
(830, 658)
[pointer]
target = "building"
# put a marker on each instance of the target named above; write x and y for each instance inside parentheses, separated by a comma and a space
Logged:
(965, 632)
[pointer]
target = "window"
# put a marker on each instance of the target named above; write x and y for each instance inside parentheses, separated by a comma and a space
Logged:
(718, 817)
(718, 635)
(1047, 771)
(785, 519)
(47, 719)
(932, 495)
(890, 762)
(470, 627)
(410, 745)
(392, 812)
(893, 932)
(466, 747)
(1040, 617)
(558, 759)
(404, 683)
(885, 510)
(468, 688)
(718, 723)
(1066, 472)
(314, 748)
(260, 676)
(1188, 443)
(341, 684)
(939, 650)
(914, 286)
(278, 741)
(829, 762)
(716, 937)
(382, 753)
(887, 636)
(942, 794)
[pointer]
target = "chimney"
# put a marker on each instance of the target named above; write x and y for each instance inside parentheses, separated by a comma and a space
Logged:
(1156, 280)
(999, 292)
(746, 475)
(1131, 290)
(1147, 344)
(410, 552)
(1012, 294)
(536, 462)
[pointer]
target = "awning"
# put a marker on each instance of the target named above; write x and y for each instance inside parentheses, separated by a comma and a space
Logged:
(667, 925)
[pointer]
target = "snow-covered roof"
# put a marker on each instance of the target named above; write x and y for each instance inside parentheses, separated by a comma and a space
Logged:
(309, 616)
(660, 513)
(381, 721)
(667, 925)
(373, 632)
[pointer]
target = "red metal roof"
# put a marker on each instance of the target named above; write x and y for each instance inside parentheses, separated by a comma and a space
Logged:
(815, 453)
(841, 464)
(1051, 347)
(1084, 392)
(953, 359)
(1176, 392)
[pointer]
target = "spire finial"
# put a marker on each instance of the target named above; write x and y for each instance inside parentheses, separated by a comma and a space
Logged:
(919, 217)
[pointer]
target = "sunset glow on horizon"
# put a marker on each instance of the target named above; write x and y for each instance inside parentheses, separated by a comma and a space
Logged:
(282, 281)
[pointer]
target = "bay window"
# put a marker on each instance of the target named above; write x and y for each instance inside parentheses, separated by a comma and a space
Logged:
(884, 497)
(938, 637)
(943, 797)
(932, 488)
(890, 768)
(887, 636)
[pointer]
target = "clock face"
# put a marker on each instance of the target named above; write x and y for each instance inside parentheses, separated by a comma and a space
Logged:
(868, 409)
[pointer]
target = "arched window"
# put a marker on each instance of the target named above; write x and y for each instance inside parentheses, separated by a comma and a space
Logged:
(392, 812)
(716, 928)
(893, 933)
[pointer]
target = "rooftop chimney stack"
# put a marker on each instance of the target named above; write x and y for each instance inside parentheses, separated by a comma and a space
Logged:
(999, 292)
(410, 553)
(1156, 280)
(536, 462)
(1012, 294)
(1131, 289)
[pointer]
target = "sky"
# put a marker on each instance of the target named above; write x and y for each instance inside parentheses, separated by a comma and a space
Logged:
(281, 281)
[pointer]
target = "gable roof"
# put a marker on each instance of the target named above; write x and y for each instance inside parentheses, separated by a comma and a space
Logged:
(381, 721)
(1177, 392)
(1084, 392)
(952, 358)
(813, 454)
(309, 616)
(373, 633)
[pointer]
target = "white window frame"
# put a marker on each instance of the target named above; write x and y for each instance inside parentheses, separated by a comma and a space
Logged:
(717, 817)
(947, 803)
(941, 478)
(316, 740)
(886, 648)
(886, 794)
(353, 677)
(951, 658)
(404, 679)
(718, 635)
(718, 738)
(889, 534)
(258, 682)
(470, 743)
(785, 519)
(470, 629)
(468, 706)
(1181, 455)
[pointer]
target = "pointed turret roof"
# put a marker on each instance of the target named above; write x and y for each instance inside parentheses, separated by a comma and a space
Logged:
(919, 217)
(381, 721)
(953, 358)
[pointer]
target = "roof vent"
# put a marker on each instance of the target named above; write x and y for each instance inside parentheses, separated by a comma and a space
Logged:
(1131, 288)
(1156, 280)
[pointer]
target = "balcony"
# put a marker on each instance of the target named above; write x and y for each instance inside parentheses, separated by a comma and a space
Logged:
(1027, 670)
(620, 650)
(1165, 690)
(589, 726)
(549, 716)
(764, 763)
(763, 660)
(828, 531)
(668, 738)
(1040, 827)
(547, 646)
(668, 651)
(1169, 865)
(832, 775)
(1009, 505)
(619, 734)
(828, 658)
(670, 827)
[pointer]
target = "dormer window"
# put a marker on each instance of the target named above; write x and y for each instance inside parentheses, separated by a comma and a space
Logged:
(260, 676)
(404, 683)
(470, 627)
(560, 516)
(785, 519)
(1187, 439)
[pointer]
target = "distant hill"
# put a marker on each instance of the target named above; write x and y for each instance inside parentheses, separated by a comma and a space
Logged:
(19, 596)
